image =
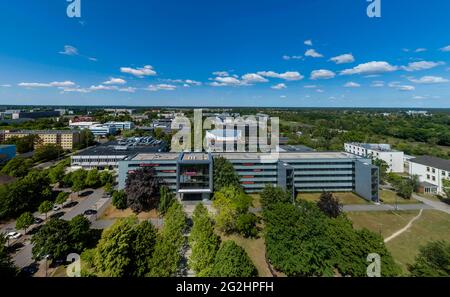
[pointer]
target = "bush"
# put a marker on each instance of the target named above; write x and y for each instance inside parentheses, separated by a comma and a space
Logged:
(433, 260)
(119, 199)
(271, 195)
(329, 205)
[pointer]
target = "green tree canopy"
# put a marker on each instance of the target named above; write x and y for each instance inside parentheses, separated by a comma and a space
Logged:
(142, 188)
(24, 221)
(7, 268)
(224, 174)
(119, 199)
(232, 261)
(271, 195)
(433, 260)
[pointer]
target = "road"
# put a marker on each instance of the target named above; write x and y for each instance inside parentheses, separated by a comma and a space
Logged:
(24, 256)
(434, 204)
(385, 207)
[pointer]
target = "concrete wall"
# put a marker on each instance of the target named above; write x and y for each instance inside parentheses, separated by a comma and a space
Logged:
(366, 181)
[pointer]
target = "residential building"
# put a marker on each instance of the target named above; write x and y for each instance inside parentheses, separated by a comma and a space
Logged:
(190, 175)
(393, 158)
(431, 171)
(7, 152)
(67, 139)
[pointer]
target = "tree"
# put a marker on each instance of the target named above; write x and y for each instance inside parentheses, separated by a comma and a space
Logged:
(45, 207)
(80, 233)
(7, 268)
(47, 152)
(56, 173)
(433, 260)
(106, 178)
(24, 221)
(142, 189)
(271, 195)
(230, 203)
(61, 198)
(329, 204)
(405, 189)
(143, 248)
(52, 239)
(24, 144)
(92, 178)
(224, 174)
(119, 199)
(166, 199)
(203, 241)
(78, 179)
(17, 167)
(383, 168)
(232, 261)
(246, 225)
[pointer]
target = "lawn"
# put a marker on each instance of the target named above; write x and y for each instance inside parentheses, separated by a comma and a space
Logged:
(344, 197)
(389, 197)
(112, 213)
(256, 250)
(432, 225)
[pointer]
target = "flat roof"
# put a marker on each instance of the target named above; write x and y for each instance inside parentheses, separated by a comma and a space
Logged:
(288, 155)
(195, 156)
(432, 162)
(113, 148)
(156, 156)
(381, 147)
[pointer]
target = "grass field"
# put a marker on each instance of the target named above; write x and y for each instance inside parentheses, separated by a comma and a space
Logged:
(432, 225)
(256, 250)
(344, 197)
(389, 197)
(112, 213)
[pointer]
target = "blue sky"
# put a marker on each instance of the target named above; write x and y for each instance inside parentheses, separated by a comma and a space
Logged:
(226, 53)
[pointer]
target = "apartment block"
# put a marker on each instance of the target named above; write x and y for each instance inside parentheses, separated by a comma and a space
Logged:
(393, 158)
(431, 172)
(65, 138)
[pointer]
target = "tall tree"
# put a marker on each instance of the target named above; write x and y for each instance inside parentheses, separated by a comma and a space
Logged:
(271, 195)
(45, 207)
(7, 268)
(142, 188)
(329, 204)
(232, 261)
(166, 199)
(224, 174)
(24, 221)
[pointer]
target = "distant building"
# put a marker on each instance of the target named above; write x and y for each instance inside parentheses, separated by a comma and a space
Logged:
(107, 155)
(67, 139)
(221, 139)
(118, 111)
(393, 158)
(82, 125)
(121, 125)
(100, 130)
(418, 112)
(36, 114)
(7, 152)
(431, 171)
(296, 148)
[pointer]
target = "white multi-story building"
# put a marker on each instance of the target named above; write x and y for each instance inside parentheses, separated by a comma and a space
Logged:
(393, 158)
(102, 130)
(431, 171)
(82, 125)
(121, 125)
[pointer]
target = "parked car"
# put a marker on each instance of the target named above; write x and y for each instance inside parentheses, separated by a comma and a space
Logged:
(89, 212)
(56, 207)
(13, 235)
(38, 220)
(57, 215)
(70, 204)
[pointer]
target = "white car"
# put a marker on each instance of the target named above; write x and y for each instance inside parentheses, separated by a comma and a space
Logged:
(13, 235)
(56, 207)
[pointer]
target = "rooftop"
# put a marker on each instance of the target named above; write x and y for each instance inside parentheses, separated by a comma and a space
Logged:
(195, 156)
(287, 155)
(296, 148)
(117, 148)
(382, 147)
(40, 131)
(433, 162)
(156, 156)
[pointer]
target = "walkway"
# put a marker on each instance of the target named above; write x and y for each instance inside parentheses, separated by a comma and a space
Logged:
(385, 207)
(397, 233)
(434, 204)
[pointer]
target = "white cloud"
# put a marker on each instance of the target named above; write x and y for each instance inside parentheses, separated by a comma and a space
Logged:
(342, 59)
(398, 86)
(221, 81)
(186, 82)
(115, 81)
(446, 48)
(69, 51)
(289, 75)
(377, 84)
(221, 73)
(102, 88)
(308, 42)
(374, 67)
(429, 80)
(46, 85)
(352, 85)
(322, 74)
(128, 90)
(92, 59)
(279, 87)
(422, 65)
(419, 97)
(5, 86)
(75, 90)
(163, 87)
(310, 86)
(320, 91)
(286, 57)
(313, 54)
(253, 78)
(147, 70)
(420, 50)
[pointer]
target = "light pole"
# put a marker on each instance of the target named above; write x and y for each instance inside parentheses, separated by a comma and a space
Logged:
(46, 257)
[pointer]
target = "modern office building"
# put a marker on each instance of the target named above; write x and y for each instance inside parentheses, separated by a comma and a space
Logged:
(121, 125)
(67, 139)
(190, 174)
(7, 152)
(107, 155)
(393, 158)
(431, 171)
(82, 124)
(100, 130)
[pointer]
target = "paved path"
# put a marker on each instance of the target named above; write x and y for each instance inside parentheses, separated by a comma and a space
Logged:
(385, 207)
(88, 203)
(434, 204)
(397, 233)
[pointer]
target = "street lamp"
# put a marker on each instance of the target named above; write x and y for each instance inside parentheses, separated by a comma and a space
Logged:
(46, 259)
